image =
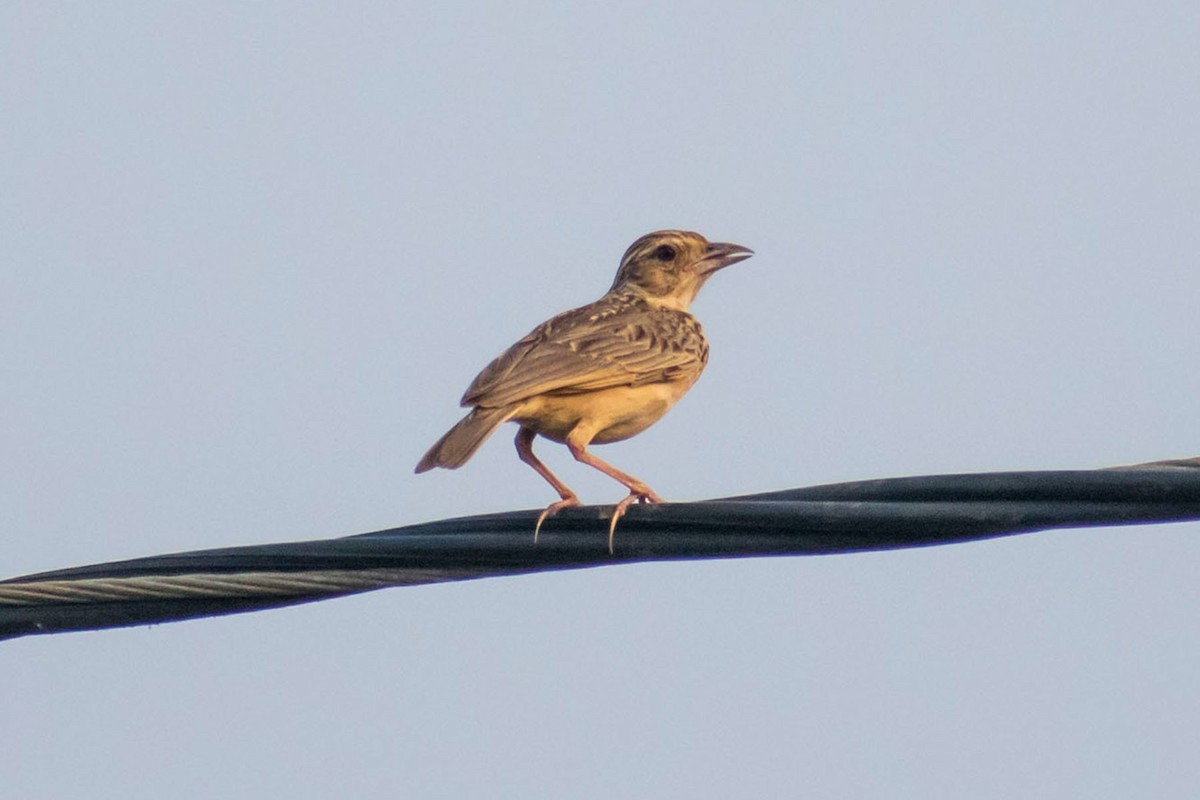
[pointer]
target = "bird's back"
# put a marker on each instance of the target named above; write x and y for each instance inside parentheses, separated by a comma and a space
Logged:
(619, 340)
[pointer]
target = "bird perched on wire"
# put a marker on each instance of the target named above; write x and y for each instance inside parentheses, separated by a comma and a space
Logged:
(599, 373)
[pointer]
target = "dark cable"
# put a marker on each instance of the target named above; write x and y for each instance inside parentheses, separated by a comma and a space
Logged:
(837, 518)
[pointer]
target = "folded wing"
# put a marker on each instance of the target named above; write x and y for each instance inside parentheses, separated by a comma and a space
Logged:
(621, 343)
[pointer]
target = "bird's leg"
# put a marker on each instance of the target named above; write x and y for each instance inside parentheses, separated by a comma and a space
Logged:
(638, 491)
(525, 453)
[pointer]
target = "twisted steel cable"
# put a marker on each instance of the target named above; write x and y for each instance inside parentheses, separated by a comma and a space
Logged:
(837, 518)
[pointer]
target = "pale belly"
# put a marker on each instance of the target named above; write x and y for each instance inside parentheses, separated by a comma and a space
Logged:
(609, 415)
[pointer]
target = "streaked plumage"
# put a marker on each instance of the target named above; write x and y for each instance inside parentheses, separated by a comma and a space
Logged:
(602, 372)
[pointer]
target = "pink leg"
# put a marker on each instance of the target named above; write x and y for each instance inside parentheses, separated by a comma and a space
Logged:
(638, 491)
(569, 499)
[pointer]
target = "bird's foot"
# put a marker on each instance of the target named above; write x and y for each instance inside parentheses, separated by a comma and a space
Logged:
(569, 501)
(643, 494)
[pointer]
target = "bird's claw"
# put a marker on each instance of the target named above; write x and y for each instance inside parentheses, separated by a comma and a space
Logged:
(635, 496)
(551, 510)
(647, 496)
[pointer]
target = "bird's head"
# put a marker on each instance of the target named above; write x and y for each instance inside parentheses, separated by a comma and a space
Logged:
(668, 268)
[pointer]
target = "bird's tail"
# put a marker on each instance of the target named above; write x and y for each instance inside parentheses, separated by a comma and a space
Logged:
(460, 442)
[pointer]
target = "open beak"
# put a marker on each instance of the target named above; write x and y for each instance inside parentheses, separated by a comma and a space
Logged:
(721, 254)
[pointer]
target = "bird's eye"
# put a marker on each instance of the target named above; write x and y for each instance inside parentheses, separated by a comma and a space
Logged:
(665, 252)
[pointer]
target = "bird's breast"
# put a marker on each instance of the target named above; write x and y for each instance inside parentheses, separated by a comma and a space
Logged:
(608, 415)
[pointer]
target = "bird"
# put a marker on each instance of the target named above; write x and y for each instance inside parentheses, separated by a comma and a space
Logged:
(599, 373)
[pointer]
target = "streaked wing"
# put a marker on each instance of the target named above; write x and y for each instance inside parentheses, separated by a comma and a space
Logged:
(616, 342)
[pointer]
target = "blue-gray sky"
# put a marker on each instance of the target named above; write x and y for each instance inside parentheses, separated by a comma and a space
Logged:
(253, 253)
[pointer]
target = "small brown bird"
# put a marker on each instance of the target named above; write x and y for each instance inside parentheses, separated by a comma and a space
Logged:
(600, 373)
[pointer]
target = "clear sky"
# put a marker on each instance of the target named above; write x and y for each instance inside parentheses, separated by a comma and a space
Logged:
(251, 255)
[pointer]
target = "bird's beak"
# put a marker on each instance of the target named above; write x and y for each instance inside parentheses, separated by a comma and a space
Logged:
(721, 254)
